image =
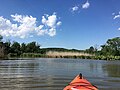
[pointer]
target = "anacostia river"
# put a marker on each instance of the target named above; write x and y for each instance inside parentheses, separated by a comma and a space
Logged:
(55, 74)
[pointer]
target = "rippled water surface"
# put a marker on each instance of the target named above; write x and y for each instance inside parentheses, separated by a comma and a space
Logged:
(55, 74)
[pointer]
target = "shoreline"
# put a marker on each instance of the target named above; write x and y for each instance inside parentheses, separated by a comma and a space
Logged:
(37, 55)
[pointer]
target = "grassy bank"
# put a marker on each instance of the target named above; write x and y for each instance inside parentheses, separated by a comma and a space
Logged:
(74, 55)
(63, 54)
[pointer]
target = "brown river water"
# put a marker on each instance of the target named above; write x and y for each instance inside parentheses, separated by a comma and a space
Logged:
(55, 74)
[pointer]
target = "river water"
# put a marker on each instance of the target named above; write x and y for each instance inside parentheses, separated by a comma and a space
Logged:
(55, 74)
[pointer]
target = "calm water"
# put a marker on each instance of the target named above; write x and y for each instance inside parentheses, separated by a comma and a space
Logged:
(55, 74)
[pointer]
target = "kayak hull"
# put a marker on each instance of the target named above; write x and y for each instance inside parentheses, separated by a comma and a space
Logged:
(80, 83)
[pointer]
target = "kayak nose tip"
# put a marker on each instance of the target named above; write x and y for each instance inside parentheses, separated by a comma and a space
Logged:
(80, 75)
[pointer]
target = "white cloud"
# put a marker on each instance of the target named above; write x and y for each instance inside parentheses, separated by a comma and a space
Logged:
(75, 8)
(118, 28)
(59, 23)
(50, 24)
(116, 16)
(25, 26)
(49, 20)
(86, 5)
(52, 32)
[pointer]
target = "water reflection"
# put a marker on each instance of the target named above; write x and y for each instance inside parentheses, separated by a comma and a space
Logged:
(54, 74)
(113, 70)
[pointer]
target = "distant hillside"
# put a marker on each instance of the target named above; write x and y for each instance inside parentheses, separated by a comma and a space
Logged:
(44, 50)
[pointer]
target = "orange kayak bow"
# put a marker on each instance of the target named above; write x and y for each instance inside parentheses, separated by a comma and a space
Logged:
(80, 83)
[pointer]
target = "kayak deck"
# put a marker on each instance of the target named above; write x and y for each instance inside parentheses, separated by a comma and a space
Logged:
(80, 83)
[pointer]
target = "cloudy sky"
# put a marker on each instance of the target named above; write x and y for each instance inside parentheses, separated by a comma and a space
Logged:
(75, 24)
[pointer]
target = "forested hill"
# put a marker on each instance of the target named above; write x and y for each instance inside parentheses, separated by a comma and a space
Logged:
(61, 50)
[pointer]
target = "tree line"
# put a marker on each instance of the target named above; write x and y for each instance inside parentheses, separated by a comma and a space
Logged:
(110, 48)
(18, 49)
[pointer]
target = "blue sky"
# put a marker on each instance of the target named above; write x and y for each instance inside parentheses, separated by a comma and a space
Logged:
(75, 24)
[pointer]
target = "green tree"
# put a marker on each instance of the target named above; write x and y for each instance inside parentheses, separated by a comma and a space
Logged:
(15, 48)
(23, 48)
(1, 37)
(32, 47)
(1, 43)
(7, 47)
(112, 47)
(91, 50)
